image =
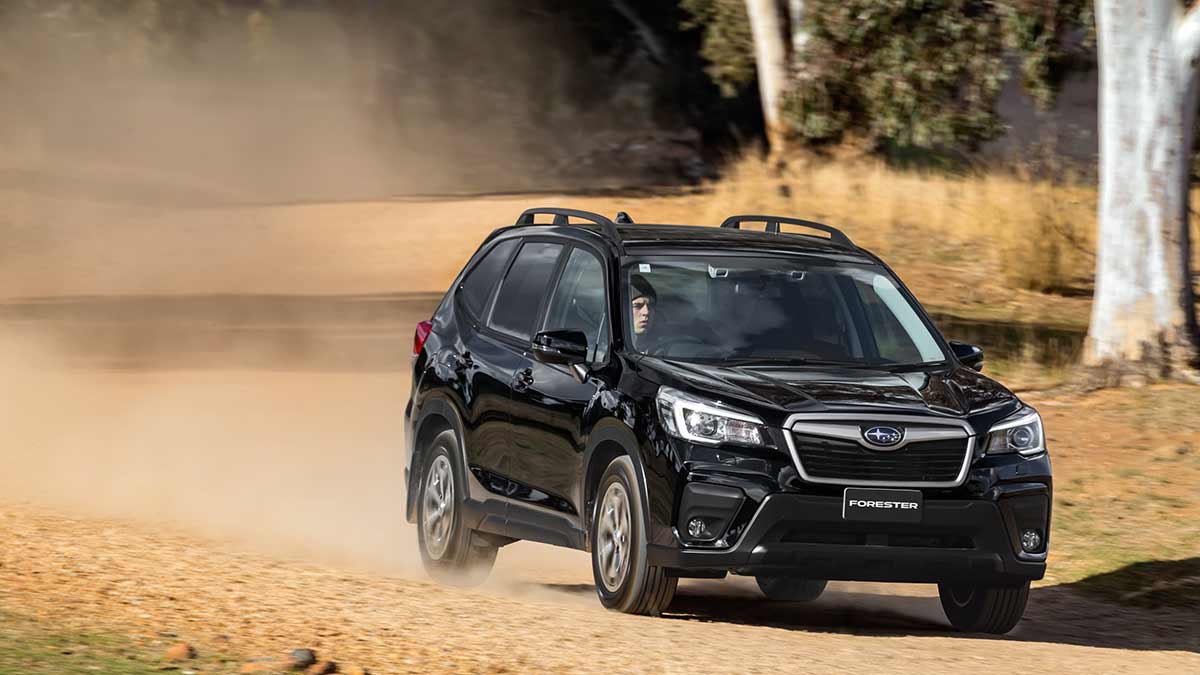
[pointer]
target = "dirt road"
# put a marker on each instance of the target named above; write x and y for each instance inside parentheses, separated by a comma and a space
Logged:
(536, 615)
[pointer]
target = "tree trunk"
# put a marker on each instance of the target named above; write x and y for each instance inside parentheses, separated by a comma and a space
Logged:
(1143, 317)
(798, 33)
(767, 26)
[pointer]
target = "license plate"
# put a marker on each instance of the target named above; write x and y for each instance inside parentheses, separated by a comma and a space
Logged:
(882, 505)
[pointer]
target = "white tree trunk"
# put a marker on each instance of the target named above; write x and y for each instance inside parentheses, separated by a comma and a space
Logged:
(799, 35)
(767, 26)
(1143, 318)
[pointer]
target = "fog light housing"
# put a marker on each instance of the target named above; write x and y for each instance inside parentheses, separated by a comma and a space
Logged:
(1031, 541)
(706, 512)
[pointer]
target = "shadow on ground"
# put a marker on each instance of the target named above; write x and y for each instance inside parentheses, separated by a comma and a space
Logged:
(1061, 614)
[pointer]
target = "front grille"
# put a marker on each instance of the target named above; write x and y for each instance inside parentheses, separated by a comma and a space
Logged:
(934, 461)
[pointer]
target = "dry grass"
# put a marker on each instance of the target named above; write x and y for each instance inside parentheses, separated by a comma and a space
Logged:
(1126, 466)
(1039, 234)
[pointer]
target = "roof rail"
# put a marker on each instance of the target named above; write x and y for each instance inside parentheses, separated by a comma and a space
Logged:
(562, 217)
(835, 235)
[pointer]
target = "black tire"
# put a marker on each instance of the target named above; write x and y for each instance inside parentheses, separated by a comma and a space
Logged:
(791, 589)
(984, 609)
(642, 588)
(450, 552)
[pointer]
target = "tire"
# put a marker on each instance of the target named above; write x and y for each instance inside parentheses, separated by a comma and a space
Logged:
(791, 589)
(450, 552)
(984, 609)
(625, 581)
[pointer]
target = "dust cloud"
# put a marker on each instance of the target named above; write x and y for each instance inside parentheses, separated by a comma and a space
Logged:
(290, 460)
(123, 107)
(201, 104)
(307, 464)
(196, 329)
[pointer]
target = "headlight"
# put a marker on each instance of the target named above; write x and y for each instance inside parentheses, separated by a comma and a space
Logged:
(1021, 432)
(707, 422)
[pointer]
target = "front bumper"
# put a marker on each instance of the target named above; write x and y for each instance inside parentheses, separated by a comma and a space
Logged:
(806, 535)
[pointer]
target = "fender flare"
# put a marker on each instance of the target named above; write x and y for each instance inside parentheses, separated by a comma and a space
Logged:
(613, 430)
(445, 408)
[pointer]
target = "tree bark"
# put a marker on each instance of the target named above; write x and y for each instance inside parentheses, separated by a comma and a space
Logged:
(1143, 315)
(767, 26)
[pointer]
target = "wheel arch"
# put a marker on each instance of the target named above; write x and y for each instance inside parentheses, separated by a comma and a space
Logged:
(609, 440)
(437, 415)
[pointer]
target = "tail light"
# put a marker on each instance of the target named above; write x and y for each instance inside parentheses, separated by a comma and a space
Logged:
(423, 330)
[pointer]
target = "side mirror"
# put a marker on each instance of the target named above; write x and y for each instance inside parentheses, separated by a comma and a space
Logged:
(969, 355)
(561, 347)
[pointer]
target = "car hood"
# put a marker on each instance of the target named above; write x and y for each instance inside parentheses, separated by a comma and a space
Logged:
(769, 389)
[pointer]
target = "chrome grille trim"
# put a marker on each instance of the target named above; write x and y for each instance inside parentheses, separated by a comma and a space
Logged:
(838, 425)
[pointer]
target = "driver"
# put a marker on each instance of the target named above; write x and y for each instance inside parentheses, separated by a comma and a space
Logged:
(643, 300)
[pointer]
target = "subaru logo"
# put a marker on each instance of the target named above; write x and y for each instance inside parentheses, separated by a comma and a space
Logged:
(883, 436)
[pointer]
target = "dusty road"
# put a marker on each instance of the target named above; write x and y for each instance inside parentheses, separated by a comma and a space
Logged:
(201, 418)
(537, 614)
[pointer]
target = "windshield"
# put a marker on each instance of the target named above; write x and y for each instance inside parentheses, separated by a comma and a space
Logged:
(774, 309)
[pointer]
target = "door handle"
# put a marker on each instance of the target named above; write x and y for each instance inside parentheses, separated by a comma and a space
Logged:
(523, 379)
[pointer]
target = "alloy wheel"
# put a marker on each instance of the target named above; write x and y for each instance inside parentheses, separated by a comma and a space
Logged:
(439, 507)
(612, 537)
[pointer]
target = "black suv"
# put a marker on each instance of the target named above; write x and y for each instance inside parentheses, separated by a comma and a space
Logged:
(694, 401)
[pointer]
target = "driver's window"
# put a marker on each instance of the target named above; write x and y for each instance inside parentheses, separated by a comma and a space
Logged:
(579, 303)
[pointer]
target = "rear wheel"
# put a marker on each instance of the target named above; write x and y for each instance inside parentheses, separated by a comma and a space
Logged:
(984, 609)
(625, 581)
(450, 552)
(791, 589)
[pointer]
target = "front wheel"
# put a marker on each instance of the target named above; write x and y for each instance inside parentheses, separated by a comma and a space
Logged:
(450, 552)
(984, 609)
(625, 581)
(791, 589)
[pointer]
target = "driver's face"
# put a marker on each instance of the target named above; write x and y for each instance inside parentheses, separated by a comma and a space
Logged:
(643, 310)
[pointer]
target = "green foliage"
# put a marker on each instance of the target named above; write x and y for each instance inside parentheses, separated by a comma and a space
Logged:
(727, 44)
(909, 73)
(905, 74)
(1041, 31)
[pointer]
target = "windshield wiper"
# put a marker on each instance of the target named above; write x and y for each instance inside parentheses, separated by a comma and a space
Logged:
(801, 361)
(789, 361)
(900, 367)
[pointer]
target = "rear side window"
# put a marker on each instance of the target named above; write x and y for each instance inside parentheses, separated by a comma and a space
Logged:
(482, 279)
(521, 293)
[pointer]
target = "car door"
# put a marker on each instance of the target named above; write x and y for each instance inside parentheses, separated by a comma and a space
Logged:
(550, 406)
(483, 367)
(507, 336)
